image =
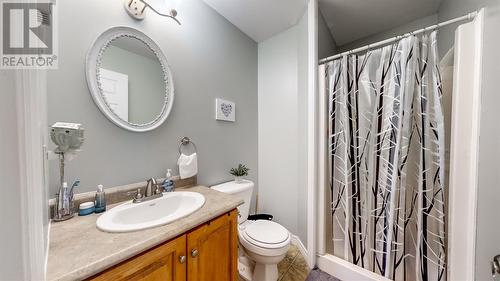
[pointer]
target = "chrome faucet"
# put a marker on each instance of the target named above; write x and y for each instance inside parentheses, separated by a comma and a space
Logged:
(149, 186)
(152, 191)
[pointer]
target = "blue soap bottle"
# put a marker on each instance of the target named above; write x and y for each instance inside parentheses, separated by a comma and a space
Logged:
(168, 184)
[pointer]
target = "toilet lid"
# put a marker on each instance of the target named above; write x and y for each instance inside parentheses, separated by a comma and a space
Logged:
(267, 232)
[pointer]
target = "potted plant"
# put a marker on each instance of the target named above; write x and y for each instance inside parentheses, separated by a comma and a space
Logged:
(239, 172)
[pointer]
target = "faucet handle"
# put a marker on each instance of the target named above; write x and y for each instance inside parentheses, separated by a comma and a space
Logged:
(138, 195)
(157, 189)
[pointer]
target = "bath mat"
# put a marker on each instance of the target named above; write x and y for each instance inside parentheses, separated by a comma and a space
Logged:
(318, 275)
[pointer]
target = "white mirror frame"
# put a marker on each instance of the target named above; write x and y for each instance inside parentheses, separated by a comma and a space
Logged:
(93, 65)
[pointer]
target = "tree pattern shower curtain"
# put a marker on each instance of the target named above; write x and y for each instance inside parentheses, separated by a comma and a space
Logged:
(386, 154)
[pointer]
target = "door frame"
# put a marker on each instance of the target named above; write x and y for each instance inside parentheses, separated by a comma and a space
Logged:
(464, 150)
(32, 135)
(312, 131)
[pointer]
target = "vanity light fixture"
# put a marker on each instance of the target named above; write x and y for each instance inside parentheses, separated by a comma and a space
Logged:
(137, 9)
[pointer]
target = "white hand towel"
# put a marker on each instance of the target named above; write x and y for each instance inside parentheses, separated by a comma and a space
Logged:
(188, 165)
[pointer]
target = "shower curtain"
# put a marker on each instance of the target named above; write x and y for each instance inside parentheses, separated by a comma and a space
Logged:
(386, 160)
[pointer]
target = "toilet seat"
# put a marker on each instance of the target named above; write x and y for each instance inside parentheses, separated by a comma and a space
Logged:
(266, 234)
(265, 238)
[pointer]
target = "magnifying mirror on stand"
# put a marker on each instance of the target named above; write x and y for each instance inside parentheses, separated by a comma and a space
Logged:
(69, 138)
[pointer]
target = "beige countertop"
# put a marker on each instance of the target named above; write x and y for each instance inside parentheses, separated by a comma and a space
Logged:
(78, 250)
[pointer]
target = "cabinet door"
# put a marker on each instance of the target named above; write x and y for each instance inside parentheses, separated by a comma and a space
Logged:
(213, 250)
(161, 263)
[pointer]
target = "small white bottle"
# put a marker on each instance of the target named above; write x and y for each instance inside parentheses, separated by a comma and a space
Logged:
(100, 199)
(65, 197)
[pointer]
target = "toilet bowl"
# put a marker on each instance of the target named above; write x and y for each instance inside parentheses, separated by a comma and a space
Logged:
(266, 243)
(263, 244)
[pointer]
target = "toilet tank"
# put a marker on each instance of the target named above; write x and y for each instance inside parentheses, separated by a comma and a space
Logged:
(242, 190)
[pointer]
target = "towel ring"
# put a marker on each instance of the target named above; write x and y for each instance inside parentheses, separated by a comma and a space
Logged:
(186, 141)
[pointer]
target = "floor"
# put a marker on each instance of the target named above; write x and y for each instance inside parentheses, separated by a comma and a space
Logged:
(293, 267)
(318, 275)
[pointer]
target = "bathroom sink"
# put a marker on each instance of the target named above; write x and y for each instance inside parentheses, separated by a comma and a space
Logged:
(136, 216)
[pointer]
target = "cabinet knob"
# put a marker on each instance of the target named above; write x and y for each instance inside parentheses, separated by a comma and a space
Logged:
(182, 259)
(194, 253)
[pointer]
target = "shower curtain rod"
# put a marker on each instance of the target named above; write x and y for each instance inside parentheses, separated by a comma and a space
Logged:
(467, 17)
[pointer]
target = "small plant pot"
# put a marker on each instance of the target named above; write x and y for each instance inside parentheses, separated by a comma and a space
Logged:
(238, 179)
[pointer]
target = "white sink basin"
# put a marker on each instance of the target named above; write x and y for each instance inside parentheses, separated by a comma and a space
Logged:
(136, 216)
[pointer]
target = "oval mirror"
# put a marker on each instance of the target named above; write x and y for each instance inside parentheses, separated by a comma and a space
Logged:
(129, 79)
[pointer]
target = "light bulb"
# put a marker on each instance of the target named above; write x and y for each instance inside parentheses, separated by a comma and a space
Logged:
(173, 6)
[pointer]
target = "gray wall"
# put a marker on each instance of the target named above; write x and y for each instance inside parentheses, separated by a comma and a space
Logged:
(414, 25)
(146, 88)
(488, 230)
(283, 128)
(209, 58)
(11, 263)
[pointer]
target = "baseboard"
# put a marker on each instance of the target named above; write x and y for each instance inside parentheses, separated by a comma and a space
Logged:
(296, 242)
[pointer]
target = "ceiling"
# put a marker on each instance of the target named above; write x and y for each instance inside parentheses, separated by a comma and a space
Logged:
(261, 19)
(349, 20)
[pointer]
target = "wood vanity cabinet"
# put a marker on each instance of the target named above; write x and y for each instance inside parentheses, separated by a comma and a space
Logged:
(206, 253)
(213, 250)
(158, 264)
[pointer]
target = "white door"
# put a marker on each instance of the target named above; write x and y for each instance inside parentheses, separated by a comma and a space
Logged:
(115, 91)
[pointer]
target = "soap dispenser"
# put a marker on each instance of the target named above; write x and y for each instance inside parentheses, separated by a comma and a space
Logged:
(168, 184)
(100, 199)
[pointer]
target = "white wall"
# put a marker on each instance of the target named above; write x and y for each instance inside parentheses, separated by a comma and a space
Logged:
(488, 224)
(302, 87)
(283, 128)
(209, 58)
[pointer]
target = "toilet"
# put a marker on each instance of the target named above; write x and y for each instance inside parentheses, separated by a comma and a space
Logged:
(263, 244)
